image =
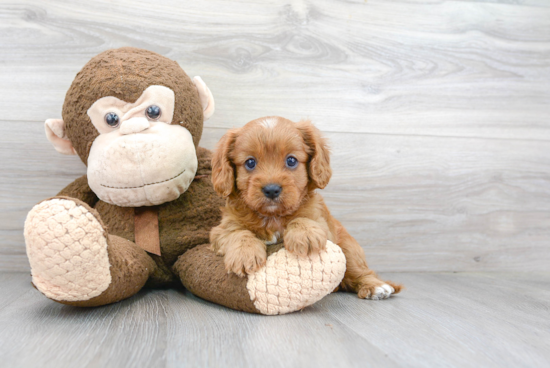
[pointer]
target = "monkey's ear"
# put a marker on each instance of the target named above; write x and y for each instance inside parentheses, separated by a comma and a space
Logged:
(55, 131)
(207, 100)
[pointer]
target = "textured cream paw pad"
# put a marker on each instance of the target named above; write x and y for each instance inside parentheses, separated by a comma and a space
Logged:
(288, 283)
(67, 250)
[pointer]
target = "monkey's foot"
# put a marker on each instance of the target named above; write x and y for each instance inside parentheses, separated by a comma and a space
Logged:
(67, 250)
(288, 282)
(285, 284)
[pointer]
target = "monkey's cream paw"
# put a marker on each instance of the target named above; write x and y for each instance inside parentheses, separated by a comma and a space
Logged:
(288, 282)
(67, 250)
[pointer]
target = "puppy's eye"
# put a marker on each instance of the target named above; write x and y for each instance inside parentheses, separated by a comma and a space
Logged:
(153, 112)
(250, 164)
(112, 119)
(291, 162)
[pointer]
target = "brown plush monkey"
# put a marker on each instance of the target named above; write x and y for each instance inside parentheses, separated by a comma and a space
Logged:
(143, 212)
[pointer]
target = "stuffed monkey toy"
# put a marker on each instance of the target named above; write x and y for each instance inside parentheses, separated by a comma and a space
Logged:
(142, 214)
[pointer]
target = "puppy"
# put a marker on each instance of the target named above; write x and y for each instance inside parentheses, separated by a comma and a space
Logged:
(268, 170)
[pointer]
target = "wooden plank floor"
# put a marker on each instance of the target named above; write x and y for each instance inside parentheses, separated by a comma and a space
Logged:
(441, 320)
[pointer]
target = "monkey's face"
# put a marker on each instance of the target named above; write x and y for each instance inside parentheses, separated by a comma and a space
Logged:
(139, 157)
(134, 118)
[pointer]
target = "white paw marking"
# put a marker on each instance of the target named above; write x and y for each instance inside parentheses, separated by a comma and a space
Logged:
(382, 292)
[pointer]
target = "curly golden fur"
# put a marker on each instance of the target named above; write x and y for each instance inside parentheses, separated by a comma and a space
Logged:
(297, 215)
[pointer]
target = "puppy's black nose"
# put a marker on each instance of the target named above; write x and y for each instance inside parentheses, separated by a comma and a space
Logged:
(272, 190)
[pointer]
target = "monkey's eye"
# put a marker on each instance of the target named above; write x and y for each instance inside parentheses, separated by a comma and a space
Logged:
(153, 112)
(291, 162)
(112, 119)
(250, 164)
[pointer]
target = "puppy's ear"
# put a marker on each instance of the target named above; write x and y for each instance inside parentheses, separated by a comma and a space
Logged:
(319, 164)
(223, 172)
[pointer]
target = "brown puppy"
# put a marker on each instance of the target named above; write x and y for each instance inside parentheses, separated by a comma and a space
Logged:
(269, 170)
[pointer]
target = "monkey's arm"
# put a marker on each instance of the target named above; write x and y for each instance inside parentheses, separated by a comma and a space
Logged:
(80, 189)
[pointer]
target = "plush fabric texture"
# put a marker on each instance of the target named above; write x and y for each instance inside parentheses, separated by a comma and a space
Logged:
(67, 250)
(146, 229)
(142, 169)
(207, 100)
(130, 268)
(80, 190)
(160, 96)
(125, 73)
(140, 161)
(288, 283)
(183, 223)
(203, 273)
(55, 132)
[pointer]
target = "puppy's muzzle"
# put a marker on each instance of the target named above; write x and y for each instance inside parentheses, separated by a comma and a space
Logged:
(272, 191)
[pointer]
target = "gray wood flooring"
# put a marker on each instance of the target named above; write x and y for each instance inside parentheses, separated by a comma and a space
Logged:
(441, 320)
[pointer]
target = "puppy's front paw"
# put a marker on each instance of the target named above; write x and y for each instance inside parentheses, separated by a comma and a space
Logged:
(304, 239)
(245, 258)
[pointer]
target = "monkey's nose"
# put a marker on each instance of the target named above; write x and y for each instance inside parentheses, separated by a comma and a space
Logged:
(134, 125)
(272, 190)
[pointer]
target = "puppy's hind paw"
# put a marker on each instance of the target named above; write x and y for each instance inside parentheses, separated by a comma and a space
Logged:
(376, 292)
